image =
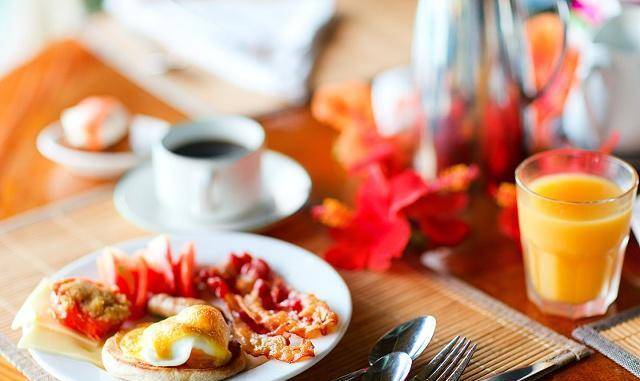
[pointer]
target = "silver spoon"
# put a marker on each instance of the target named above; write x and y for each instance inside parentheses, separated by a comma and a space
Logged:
(392, 367)
(410, 337)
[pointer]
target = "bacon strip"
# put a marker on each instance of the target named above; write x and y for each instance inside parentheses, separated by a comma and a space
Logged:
(267, 315)
(315, 319)
(277, 347)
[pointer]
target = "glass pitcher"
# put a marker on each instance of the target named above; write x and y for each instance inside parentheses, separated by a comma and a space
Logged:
(473, 71)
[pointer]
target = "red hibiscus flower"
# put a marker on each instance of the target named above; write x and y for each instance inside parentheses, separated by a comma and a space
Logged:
(437, 215)
(391, 198)
(376, 233)
(379, 228)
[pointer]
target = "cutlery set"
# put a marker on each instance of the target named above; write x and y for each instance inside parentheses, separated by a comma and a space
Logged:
(449, 363)
(392, 356)
(409, 338)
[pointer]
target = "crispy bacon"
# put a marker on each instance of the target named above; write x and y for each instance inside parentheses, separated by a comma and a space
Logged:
(277, 346)
(315, 319)
(266, 313)
(321, 320)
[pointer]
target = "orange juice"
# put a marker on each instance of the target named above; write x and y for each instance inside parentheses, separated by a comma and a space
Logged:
(572, 243)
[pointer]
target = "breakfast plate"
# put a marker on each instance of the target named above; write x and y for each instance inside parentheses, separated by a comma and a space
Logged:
(301, 269)
(284, 194)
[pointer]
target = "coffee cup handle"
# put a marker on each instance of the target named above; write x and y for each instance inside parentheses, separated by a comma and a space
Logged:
(206, 199)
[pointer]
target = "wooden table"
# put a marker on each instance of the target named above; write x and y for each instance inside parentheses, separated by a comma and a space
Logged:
(34, 95)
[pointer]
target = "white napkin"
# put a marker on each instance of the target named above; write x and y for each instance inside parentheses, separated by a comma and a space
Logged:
(262, 45)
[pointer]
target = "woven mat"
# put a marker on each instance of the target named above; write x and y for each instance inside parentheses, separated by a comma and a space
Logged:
(40, 242)
(617, 337)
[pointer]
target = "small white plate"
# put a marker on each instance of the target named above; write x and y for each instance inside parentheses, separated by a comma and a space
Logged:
(286, 187)
(102, 165)
(303, 270)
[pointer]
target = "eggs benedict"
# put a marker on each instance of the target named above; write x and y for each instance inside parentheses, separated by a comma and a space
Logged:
(192, 345)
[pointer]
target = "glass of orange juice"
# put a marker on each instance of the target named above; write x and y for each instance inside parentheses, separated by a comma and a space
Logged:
(574, 210)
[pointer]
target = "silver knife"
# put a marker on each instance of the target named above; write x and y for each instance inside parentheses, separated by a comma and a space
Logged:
(531, 372)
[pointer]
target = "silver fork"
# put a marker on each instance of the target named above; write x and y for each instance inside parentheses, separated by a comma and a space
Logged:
(449, 363)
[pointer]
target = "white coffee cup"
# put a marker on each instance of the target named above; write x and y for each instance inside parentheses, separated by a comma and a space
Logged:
(211, 188)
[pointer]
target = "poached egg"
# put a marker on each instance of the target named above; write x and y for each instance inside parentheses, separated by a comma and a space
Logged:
(197, 332)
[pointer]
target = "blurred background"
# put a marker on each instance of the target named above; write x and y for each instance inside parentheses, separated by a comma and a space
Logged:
(259, 56)
(213, 55)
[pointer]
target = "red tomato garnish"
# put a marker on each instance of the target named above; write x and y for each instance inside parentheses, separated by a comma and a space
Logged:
(80, 322)
(88, 307)
(158, 258)
(151, 271)
(185, 266)
(129, 275)
(114, 269)
(139, 303)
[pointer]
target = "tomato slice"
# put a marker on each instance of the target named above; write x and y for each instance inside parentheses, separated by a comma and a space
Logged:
(143, 285)
(93, 309)
(139, 296)
(114, 269)
(80, 322)
(158, 258)
(149, 271)
(186, 269)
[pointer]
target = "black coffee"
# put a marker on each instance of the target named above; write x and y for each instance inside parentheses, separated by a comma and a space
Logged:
(207, 149)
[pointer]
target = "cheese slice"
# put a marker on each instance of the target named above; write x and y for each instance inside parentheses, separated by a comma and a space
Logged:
(41, 330)
(38, 337)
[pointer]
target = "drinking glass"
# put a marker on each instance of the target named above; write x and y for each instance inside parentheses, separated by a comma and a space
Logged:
(574, 209)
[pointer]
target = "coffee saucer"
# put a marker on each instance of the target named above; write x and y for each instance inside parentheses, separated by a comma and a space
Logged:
(285, 182)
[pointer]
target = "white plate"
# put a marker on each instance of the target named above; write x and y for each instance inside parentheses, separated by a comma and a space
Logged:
(286, 184)
(301, 269)
(142, 132)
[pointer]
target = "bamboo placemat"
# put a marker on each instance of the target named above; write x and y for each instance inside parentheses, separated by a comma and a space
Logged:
(617, 337)
(40, 242)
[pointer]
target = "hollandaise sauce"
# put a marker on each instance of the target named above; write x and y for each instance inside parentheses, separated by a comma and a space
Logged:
(198, 333)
